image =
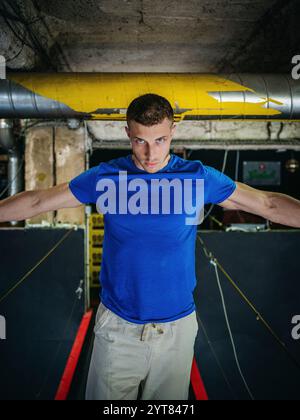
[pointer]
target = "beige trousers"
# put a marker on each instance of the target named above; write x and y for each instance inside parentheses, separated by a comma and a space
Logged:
(156, 358)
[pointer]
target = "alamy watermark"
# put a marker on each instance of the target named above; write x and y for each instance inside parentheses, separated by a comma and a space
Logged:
(163, 196)
(2, 328)
(296, 68)
(296, 329)
(2, 67)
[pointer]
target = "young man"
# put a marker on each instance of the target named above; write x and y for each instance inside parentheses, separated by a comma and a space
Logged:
(146, 323)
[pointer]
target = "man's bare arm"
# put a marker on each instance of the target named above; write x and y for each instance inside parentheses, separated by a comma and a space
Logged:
(284, 209)
(276, 207)
(28, 204)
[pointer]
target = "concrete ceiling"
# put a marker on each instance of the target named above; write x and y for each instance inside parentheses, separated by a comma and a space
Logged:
(150, 35)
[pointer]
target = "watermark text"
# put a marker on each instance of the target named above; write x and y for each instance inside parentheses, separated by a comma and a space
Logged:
(2, 67)
(152, 196)
(2, 328)
(296, 329)
(296, 68)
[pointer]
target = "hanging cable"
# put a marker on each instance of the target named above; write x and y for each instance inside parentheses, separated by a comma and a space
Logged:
(259, 317)
(18, 20)
(213, 262)
(8, 60)
(237, 164)
(214, 219)
(223, 169)
(215, 356)
(16, 34)
(6, 294)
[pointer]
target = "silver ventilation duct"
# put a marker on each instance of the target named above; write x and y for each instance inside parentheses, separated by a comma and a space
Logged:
(107, 95)
(9, 144)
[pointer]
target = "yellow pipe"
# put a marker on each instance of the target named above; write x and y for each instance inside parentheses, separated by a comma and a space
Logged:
(106, 96)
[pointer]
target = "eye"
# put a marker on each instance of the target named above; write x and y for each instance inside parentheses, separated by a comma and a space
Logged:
(160, 140)
(139, 141)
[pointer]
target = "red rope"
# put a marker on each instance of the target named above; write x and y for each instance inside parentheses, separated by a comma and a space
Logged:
(67, 377)
(197, 383)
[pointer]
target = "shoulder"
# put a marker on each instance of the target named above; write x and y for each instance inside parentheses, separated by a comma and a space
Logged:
(112, 166)
(187, 165)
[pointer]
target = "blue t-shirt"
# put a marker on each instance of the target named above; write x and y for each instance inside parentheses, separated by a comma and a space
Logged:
(148, 261)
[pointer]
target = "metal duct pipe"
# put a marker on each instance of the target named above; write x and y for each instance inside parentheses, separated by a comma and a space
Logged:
(7, 139)
(9, 144)
(14, 173)
(105, 96)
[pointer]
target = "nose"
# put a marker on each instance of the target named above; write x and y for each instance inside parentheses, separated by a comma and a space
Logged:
(150, 153)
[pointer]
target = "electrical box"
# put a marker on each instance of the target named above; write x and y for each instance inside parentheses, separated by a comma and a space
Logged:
(262, 173)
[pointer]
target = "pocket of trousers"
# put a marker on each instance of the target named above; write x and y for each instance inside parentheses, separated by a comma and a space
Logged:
(101, 317)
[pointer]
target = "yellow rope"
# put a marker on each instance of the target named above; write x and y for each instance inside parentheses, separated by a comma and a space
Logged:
(259, 317)
(36, 266)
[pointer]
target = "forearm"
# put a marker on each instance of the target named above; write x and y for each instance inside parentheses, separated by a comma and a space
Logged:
(19, 207)
(284, 210)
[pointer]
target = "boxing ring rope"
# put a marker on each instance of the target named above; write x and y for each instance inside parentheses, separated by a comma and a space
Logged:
(8, 292)
(213, 261)
(216, 264)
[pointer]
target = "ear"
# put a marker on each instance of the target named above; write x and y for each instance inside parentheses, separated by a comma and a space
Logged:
(127, 131)
(173, 128)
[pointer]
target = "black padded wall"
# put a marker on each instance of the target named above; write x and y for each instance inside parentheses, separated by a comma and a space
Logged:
(265, 266)
(42, 314)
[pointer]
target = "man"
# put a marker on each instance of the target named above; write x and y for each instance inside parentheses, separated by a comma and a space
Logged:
(146, 323)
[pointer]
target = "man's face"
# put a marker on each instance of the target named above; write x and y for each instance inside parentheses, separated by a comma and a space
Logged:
(151, 144)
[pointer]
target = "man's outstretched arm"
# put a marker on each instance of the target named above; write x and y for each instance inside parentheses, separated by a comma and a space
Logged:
(276, 207)
(28, 204)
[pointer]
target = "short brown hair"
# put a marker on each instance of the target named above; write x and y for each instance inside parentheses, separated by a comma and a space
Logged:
(149, 109)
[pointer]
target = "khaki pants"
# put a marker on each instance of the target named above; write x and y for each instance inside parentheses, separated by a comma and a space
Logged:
(157, 357)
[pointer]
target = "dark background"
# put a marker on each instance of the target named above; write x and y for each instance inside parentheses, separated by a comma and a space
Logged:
(43, 314)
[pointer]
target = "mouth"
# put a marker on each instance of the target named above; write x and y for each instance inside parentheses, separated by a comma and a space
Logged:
(150, 164)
